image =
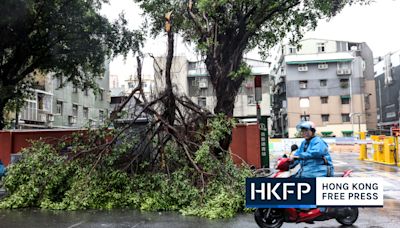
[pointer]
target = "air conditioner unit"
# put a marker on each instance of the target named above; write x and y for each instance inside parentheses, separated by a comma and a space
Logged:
(92, 123)
(50, 118)
(322, 66)
(303, 86)
(72, 119)
(346, 71)
(340, 72)
(248, 85)
(203, 84)
(42, 117)
(303, 68)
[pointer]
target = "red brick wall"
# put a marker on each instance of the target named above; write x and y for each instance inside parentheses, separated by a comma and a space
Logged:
(14, 141)
(245, 145)
(5, 147)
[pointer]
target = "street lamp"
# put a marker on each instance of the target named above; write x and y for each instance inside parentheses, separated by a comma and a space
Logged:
(359, 121)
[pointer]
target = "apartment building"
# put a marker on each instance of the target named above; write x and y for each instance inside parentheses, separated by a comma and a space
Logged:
(329, 82)
(191, 78)
(59, 104)
(387, 83)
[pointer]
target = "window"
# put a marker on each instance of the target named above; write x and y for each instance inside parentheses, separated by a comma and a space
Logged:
(282, 71)
(305, 117)
(325, 117)
(344, 83)
(323, 83)
(321, 47)
(59, 107)
(251, 100)
(202, 102)
(343, 65)
(292, 50)
(130, 84)
(343, 68)
(203, 92)
(101, 116)
(345, 118)
(345, 99)
(195, 83)
(75, 110)
(304, 102)
(303, 84)
(86, 92)
(324, 100)
(85, 113)
(74, 88)
(302, 67)
(40, 99)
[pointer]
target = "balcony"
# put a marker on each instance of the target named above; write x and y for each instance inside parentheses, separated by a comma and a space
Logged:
(39, 109)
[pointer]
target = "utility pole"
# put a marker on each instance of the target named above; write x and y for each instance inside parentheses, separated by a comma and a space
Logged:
(380, 106)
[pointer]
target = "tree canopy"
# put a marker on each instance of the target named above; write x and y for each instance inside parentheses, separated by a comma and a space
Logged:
(65, 37)
(223, 30)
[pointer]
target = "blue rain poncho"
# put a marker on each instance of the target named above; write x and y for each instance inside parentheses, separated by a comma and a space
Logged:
(314, 159)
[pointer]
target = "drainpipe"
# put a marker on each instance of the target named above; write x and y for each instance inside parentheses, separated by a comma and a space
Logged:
(351, 104)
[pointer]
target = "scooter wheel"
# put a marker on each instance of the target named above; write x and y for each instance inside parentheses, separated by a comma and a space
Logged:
(350, 218)
(269, 218)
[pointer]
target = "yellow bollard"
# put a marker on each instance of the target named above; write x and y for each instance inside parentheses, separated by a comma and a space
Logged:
(380, 155)
(375, 147)
(389, 151)
(363, 148)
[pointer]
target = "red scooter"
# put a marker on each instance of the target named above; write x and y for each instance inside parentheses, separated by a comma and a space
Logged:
(275, 217)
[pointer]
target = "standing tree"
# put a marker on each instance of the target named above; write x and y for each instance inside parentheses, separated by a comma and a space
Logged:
(67, 37)
(223, 30)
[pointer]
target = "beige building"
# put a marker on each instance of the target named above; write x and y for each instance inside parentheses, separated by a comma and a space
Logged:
(191, 78)
(330, 83)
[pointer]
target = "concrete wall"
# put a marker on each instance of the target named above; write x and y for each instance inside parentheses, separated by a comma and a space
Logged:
(179, 71)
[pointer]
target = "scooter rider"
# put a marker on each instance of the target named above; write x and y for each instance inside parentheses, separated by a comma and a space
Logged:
(313, 154)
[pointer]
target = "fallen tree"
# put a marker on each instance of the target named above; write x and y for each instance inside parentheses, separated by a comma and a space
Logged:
(166, 164)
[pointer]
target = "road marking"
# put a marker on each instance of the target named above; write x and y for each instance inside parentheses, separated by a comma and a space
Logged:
(76, 224)
(137, 224)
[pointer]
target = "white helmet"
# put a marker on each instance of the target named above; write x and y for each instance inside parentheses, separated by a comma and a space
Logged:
(306, 125)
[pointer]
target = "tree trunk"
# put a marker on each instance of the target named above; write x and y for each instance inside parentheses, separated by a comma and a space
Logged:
(2, 120)
(226, 89)
(170, 102)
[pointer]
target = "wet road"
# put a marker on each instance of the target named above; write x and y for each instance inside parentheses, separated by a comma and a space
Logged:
(388, 216)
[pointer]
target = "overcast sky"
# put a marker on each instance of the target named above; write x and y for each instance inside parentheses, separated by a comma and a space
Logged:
(376, 24)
